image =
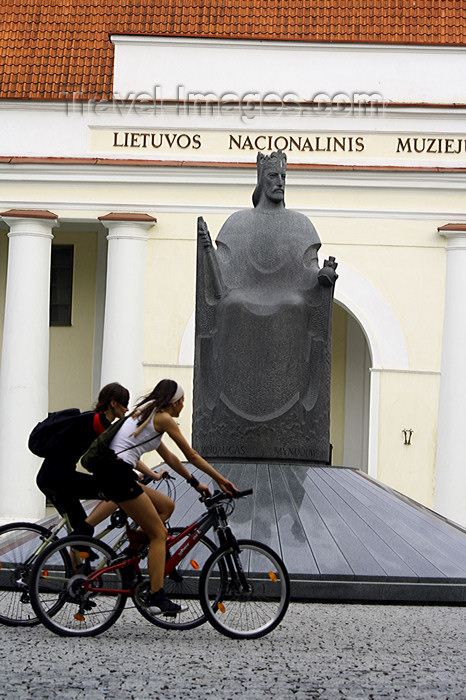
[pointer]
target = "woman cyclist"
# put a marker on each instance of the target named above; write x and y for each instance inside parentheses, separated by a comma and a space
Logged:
(142, 431)
(58, 478)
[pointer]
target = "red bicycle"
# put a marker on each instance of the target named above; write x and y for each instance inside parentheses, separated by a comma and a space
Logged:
(79, 587)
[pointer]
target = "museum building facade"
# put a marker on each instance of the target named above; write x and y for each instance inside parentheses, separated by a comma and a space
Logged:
(116, 138)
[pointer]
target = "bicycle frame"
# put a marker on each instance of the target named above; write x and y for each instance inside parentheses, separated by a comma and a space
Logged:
(193, 533)
(215, 518)
(52, 533)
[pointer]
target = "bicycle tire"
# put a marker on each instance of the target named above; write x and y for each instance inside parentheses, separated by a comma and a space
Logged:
(240, 613)
(60, 600)
(18, 543)
(182, 586)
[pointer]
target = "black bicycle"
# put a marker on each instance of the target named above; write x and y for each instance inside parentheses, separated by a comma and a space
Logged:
(79, 586)
(21, 543)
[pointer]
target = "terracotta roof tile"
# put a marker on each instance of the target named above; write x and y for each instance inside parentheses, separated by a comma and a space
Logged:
(53, 46)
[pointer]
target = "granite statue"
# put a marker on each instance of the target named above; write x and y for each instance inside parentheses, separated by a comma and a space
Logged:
(263, 332)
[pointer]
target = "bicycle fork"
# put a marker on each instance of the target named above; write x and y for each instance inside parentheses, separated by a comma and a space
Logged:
(238, 580)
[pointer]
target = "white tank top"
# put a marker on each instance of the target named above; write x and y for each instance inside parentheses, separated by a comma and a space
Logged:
(130, 448)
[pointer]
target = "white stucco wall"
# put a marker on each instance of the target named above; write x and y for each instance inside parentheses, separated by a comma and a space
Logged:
(299, 70)
(377, 212)
(391, 274)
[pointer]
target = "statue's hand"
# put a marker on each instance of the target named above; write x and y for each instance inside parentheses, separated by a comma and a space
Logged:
(327, 274)
(203, 233)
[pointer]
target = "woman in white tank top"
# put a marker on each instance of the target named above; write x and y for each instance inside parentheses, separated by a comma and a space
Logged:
(147, 439)
(142, 432)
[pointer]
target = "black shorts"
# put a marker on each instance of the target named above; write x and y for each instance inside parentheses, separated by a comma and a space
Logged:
(116, 480)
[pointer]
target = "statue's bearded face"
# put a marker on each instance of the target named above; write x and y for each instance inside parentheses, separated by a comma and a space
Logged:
(274, 184)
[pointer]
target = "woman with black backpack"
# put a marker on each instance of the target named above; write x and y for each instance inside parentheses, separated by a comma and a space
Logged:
(58, 478)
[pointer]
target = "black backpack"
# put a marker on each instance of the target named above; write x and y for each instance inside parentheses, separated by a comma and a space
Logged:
(55, 436)
(99, 450)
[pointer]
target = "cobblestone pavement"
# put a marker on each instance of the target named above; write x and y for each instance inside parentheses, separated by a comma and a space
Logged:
(319, 651)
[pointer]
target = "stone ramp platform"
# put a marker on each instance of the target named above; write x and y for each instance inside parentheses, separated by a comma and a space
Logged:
(343, 535)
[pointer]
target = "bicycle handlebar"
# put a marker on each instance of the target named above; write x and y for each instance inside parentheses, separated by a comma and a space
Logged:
(241, 494)
(147, 479)
(220, 495)
(210, 500)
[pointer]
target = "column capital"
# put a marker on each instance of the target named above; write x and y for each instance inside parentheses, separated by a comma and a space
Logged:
(29, 214)
(128, 216)
(30, 222)
(127, 225)
(454, 233)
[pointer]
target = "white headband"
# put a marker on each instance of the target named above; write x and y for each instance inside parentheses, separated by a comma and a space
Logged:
(179, 393)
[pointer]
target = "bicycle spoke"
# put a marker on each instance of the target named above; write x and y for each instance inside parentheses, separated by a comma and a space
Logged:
(64, 598)
(256, 595)
(19, 543)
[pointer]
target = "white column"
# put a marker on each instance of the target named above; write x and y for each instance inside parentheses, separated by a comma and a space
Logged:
(450, 469)
(123, 337)
(25, 360)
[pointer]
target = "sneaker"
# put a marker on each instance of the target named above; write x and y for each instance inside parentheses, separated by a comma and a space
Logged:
(160, 603)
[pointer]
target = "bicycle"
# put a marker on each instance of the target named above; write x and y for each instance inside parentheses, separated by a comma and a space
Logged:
(243, 586)
(20, 545)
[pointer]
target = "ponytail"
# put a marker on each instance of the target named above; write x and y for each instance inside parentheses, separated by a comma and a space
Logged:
(157, 400)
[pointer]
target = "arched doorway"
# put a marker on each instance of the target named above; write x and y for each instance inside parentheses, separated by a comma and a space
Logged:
(350, 391)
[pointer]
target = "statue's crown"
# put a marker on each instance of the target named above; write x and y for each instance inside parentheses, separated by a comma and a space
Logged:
(277, 159)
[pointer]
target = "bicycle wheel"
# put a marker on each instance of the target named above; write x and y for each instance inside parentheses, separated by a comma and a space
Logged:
(254, 598)
(182, 586)
(63, 598)
(19, 543)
